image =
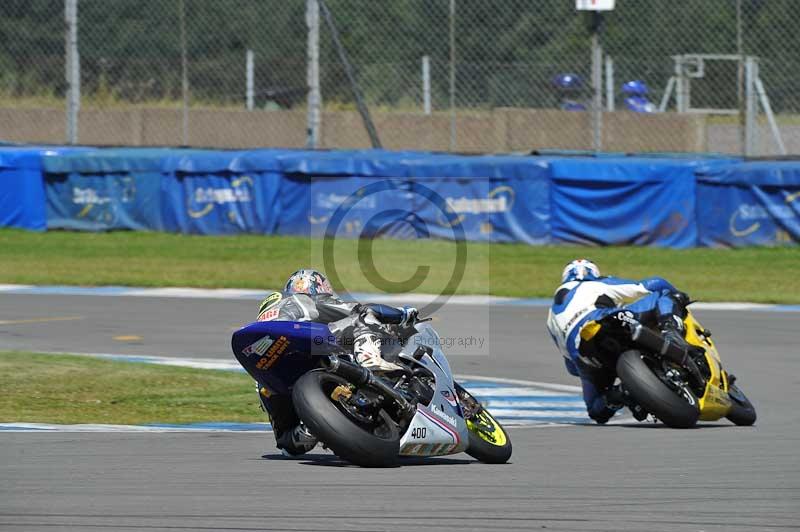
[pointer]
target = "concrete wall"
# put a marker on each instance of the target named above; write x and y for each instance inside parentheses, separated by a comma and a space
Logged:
(499, 130)
(725, 138)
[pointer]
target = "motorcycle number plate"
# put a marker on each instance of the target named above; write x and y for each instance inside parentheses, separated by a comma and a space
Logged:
(427, 437)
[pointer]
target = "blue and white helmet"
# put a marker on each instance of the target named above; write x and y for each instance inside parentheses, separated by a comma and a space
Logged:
(580, 270)
(309, 282)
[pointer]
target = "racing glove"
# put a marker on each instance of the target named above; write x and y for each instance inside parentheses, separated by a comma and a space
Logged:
(384, 314)
(681, 298)
(410, 315)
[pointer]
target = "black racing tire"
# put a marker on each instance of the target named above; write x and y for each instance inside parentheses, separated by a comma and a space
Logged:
(489, 448)
(654, 395)
(331, 426)
(742, 413)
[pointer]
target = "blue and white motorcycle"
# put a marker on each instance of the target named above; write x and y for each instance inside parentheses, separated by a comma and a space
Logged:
(368, 419)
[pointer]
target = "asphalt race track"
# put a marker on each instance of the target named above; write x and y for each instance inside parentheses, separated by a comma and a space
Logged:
(629, 477)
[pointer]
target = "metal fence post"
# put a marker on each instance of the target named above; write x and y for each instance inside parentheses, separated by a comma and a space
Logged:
(609, 84)
(314, 116)
(597, 100)
(249, 80)
(426, 84)
(680, 84)
(452, 75)
(740, 103)
(73, 70)
(597, 81)
(750, 74)
(184, 76)
(773, 124)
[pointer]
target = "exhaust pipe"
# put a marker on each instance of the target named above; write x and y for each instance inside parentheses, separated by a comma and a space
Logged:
(352, 372)
(653, 341)
(361, 376)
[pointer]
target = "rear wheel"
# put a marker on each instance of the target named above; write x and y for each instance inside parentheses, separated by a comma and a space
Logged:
(488, 440)
(365, 439)
(742, 412)
(676, 408)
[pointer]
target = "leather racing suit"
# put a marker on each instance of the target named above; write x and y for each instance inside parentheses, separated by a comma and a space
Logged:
(576, 303)
(358, 325)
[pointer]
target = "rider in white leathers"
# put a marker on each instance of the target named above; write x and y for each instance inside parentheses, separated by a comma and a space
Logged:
(585, 296)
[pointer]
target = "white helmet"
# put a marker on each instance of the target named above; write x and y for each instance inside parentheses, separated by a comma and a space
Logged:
(580, 270)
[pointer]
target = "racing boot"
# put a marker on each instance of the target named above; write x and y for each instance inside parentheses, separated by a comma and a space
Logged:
(618, 397)
(367, 350)
(639, 413)
(296, 441)
(291, 436)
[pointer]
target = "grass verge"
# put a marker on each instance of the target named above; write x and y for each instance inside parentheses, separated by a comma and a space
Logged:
(159, 259)
(39, 388)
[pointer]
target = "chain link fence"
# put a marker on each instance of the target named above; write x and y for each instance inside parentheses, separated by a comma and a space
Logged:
(453, 75)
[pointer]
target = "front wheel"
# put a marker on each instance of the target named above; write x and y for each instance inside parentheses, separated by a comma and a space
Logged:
(653, 394)
(742, 413)
(367, 440)
(488, 440)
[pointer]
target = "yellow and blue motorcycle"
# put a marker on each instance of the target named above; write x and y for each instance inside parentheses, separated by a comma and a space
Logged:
(675, 384)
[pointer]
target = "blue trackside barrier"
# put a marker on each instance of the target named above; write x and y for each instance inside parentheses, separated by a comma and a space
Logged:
(669, 201)
(626, 200)
(408, 194)
(749, 204)
(22, 191)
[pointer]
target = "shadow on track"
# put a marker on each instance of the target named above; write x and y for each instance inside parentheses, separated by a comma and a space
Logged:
(647, 425)
(330, 460)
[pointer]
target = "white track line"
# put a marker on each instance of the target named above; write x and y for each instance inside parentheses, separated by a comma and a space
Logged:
(398, 299)
(497, 393)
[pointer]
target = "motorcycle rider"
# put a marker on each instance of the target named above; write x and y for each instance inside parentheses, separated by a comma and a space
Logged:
(309, 296)
(585, 296)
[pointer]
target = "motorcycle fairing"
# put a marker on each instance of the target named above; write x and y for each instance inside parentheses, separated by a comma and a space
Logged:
(715, 402)
(446, 429)
(277, 353)
(429, 436)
